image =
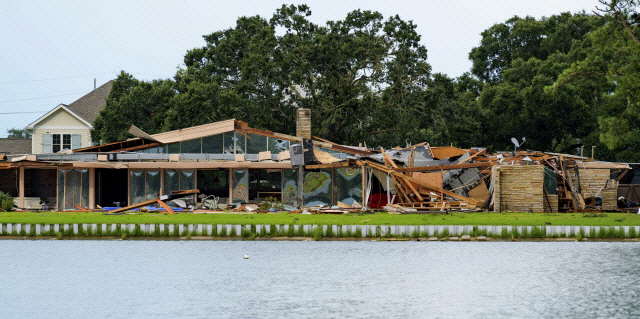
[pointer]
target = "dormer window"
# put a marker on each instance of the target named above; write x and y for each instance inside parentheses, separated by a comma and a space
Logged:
(61, 142)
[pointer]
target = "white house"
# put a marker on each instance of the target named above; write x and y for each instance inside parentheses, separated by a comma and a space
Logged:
(68, 126)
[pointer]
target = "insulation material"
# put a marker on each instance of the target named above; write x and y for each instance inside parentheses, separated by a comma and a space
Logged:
(480, 192)
(434, 179)
(290, 190)
(347, 185)
(240, 186)
(446, 151)
(324, 157)
(317, 187)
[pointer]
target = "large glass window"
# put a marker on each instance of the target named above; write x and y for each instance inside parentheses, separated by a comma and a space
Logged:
(173, 148)
(214, 182)
(177, 180)
(191, 147)
(240, 142)
(171, 181)
(213, 144)
(265, 183)
(73, 189)
(240, 185)
(256, 144)
(347, 185)
(152, 184)
(276, 146)
(136, 186)
(317, 187)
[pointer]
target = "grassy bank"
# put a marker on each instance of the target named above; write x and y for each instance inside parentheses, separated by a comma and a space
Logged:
(513, 219)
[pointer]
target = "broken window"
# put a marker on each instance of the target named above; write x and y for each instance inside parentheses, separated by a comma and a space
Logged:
(214, 182)
(276, 146)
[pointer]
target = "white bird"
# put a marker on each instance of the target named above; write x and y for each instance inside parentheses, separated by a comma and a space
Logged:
(246, 256)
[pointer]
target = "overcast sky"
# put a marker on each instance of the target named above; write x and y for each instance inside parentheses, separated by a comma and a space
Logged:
(51, 51)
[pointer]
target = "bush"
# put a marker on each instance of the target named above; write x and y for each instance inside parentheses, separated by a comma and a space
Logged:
(6, 202)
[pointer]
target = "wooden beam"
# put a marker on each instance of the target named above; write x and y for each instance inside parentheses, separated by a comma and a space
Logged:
(473, 156)
(444, 167)
(169, 210)
(21, 187)
(411, 187)
(341, 164)
(421, 183)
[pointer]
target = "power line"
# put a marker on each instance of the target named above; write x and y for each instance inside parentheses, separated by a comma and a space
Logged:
(24, 112)
(51, 79)
(44, 97)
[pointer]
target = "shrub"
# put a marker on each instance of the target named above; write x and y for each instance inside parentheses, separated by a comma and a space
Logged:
(6, 201)
(223, 231)
(358, 232)
(232, 233)
(317, 233)
(632, 232)
(291, 231)
(301, 231)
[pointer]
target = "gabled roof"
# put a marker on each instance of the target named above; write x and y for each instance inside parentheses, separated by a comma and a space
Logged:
(15, 145)
(61, 106)
(88, 106)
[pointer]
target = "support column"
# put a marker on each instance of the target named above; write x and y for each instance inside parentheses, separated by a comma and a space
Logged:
(21, 187)
(92, 188)
(300, 186)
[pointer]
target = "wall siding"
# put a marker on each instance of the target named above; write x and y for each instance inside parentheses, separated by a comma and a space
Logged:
(37, 137)
(60, 118)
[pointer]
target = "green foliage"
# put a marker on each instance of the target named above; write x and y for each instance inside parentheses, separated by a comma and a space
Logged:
(317, 233)
(223, 231)
(614, 60)
(6, 201)
(632, 232)
(19, 133)
(233, 233)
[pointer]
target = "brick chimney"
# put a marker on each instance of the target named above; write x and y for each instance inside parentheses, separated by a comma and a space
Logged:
(303, 123)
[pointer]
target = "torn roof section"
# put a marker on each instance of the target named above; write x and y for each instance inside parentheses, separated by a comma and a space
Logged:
(144, 140)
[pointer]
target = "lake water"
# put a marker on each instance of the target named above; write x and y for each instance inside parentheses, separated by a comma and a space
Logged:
(285, 279)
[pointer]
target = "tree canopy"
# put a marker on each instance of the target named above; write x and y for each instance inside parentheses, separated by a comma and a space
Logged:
(559, 81)
(18, 133)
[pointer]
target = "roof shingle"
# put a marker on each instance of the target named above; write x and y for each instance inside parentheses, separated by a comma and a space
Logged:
(15, 145)
(88, 106)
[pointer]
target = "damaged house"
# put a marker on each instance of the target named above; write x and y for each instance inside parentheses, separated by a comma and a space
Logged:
(228, 164)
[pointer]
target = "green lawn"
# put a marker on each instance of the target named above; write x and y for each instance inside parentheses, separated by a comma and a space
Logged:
(514, 219)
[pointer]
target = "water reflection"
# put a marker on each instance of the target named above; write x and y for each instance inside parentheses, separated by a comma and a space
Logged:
(168, 279)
